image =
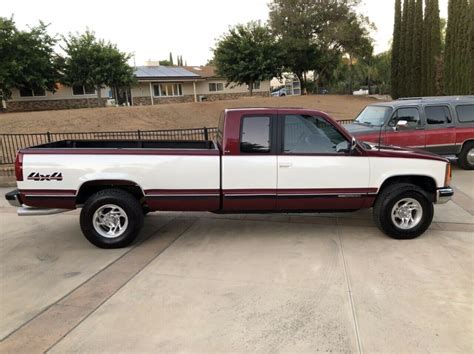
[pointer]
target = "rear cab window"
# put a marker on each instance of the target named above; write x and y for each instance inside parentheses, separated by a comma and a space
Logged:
(255, 135)
(465, 113)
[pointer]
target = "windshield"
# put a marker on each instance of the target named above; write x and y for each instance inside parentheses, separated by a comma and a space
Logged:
(373, 115)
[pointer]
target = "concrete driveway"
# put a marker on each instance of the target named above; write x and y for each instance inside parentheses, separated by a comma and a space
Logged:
(266, 283)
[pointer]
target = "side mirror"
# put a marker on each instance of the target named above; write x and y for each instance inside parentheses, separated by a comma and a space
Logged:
(353, 144)
(346, 147)
(401, 125)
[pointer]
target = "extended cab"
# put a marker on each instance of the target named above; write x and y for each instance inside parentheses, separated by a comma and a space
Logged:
(263, 160)
(442, 125)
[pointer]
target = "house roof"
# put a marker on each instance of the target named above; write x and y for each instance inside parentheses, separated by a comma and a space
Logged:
(203, 71)
(164, 72)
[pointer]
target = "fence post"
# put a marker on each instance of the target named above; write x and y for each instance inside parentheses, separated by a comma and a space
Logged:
(206, 134)
(49, 136)
(139, 134)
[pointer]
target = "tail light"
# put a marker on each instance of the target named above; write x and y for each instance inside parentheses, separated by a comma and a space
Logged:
(447, 177)
(19, 166)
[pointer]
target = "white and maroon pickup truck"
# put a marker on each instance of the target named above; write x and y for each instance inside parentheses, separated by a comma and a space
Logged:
(264, 160)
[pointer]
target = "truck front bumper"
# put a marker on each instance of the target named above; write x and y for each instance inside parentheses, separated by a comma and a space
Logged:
(443, 195)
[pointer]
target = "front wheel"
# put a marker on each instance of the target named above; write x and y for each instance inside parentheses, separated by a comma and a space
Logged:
(403, 211)
(111, 218)
(466, 157)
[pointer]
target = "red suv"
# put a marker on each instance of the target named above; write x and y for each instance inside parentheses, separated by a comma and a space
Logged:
(442, 125)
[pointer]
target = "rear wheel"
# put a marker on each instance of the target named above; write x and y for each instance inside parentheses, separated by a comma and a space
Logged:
(111, 218)
(403, 211)
(466, 157)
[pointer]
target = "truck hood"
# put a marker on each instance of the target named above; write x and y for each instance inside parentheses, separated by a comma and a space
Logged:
(399, 152)
(361, 129)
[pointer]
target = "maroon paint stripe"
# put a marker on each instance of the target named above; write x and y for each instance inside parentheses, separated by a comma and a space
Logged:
(182, 191)
(327, 190)
(249, 191)
(62, 202)
(307, 191)
(79, 151)
(40, 192)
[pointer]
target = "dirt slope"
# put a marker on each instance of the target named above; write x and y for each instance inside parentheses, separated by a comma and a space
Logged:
(166, 116)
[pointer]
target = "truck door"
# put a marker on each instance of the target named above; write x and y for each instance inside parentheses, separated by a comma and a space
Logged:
(413, 135)
(316, 170)
(440, 132)
(249, 172)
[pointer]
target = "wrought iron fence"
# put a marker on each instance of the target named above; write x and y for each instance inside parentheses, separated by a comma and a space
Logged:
(11, 143)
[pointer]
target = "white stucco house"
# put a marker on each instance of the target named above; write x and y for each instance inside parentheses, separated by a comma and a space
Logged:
(155, 85)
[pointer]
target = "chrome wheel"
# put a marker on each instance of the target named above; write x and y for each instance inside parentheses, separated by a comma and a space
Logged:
(470, 156)
(407, 213)
(110, 221)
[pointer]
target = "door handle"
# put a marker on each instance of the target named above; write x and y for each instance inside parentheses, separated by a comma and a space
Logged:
(285, 165)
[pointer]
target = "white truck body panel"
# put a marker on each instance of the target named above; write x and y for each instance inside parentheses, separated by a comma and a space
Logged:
(147, 171)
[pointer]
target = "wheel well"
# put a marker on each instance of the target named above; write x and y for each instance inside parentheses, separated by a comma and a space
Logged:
(91, 187)
(465, 143)
(424, 182)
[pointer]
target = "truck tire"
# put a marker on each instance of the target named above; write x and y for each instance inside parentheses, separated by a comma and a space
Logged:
(403, 211)
(111, 218)
(466, 156)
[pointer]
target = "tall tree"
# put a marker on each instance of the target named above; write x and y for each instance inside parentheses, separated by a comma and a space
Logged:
(450, 50)
(27, 58)
(416, 49)
(247, 54)
(464, 52)
(432, 50)
(396, 51)
(404, 48)
(171, 59)
(470, 74)
(96, 63)
(408, 61)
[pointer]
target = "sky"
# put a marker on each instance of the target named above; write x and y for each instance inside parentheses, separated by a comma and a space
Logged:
(152, 29)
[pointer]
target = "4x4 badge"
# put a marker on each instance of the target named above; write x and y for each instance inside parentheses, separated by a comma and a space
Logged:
(36, 176)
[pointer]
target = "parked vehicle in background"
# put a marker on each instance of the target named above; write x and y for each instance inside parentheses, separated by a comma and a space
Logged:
(442, 125)
(279, 92)
(267, 160)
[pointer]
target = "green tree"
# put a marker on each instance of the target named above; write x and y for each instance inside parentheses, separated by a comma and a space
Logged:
(470, 74)
(27, 58)
(408, 60)
(432, 48)
(464, 51)
(449, 51)
(404, 48)
(96, 63)
(247, 54)
(165, 62)
(314, 34)
(171, 59)
(417, 49)
(396, 51)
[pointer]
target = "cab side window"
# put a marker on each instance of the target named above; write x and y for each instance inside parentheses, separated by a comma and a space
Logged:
(411, 115)
(311, 134)
(437, 115)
